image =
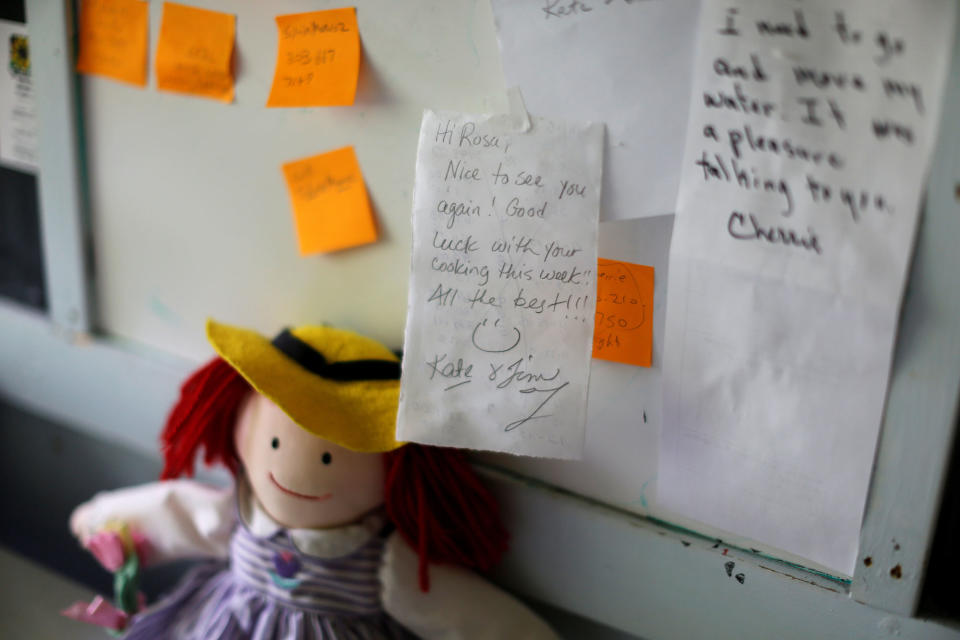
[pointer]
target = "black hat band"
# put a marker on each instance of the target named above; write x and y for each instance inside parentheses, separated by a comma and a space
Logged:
(348, 371)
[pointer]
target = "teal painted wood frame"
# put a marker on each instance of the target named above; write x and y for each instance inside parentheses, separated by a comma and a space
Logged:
(922, 400)
(62, 213)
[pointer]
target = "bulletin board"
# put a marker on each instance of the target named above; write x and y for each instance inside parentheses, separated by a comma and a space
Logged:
(190, 213)
(189, 218)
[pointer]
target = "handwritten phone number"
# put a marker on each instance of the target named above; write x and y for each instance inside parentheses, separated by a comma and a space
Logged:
(306, 57)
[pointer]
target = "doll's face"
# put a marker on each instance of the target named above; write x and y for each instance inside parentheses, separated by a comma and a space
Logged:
(303, 481)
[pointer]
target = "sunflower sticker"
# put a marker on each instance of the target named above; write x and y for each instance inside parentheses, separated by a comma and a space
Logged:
(19, 55)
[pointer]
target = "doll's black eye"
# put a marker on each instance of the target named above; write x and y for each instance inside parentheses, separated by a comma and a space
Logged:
(327, 458)
(275, 443)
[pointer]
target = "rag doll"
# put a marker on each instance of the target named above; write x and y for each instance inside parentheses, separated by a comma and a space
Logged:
(332, 528)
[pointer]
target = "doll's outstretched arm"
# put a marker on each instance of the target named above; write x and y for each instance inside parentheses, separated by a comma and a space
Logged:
(459, 606)
(178, 518)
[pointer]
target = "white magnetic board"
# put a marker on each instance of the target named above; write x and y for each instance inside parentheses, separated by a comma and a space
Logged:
(191, 218)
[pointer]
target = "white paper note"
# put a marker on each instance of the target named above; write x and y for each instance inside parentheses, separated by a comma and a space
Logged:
(809, 141)
(624, 63)
(503, 284)
(18, 110)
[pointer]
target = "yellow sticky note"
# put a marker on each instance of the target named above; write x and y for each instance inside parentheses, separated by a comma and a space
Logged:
(623, 328)
(112, 38)
(330, 205)
(195, 52)
(318, 59)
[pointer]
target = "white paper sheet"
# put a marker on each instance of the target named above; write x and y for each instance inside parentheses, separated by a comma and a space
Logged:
(503, 284)
(809, 140)
(18, 112)
(624, 63)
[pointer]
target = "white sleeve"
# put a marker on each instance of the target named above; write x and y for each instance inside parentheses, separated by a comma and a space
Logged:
(179, 518)
(459, 606)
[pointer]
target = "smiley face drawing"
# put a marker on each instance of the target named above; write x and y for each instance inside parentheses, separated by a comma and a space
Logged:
(501, 340)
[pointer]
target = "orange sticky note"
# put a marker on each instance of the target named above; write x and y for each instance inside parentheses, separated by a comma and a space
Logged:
(330, 205)
(195, 52)
(623, 328)
(318, 59)
(112, 37)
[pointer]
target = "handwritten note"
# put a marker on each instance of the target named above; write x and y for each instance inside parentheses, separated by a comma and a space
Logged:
(623, 327)
(330, 203)
(625, 63)
(503, 285)
(112, 39)
(807, 149)
(318, 59)
(195, 52)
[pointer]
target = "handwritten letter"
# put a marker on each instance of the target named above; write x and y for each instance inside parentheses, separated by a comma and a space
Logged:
(318, 59)
(807, 149)
(195, 52)
(623, 331)
(112, 37)
(503, 285)
(624, 63)
(330, 204)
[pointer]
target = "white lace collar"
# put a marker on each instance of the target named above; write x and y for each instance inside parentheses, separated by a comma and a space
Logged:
(322, 543)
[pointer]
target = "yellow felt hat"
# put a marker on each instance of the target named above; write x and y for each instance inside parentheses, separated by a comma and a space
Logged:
(335, 384)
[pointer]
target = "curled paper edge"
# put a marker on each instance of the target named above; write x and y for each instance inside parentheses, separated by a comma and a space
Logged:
(519, 118)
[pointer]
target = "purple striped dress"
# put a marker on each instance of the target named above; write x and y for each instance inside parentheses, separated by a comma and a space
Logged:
(270, 590)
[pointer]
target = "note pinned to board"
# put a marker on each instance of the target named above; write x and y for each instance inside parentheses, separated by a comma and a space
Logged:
(503, 284)
(112, 39)
(330, 204)
(623, 325)
(19, 125)
(624, 63)
(318, 59)
(807, 150)
(195, 52)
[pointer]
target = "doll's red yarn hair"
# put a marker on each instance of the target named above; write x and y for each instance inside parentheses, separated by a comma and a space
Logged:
(442, 509)
(431, 494)
(204, 418)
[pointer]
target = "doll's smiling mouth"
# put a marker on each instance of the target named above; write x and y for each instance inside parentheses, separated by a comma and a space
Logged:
(302, 496)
